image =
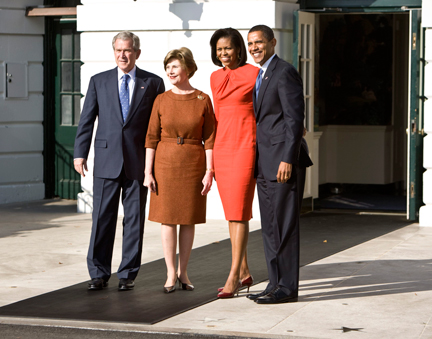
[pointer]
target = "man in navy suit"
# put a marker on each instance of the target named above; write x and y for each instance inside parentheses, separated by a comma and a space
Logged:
(121, 99)
(281, 161)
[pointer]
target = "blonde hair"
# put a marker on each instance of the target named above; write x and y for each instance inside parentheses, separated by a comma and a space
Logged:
(185, 56)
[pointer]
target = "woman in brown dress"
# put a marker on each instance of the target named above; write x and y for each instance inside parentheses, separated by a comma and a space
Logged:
(179, 163)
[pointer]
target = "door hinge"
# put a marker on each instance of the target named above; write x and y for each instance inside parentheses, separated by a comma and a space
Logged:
(412, 190)
(414, 41)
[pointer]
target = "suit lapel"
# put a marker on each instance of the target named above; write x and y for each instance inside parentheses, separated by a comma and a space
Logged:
(138, 94)
(113, 92)
(265, 82)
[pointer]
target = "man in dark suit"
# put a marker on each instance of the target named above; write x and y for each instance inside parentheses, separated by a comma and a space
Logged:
(279, 110)
(122, 100)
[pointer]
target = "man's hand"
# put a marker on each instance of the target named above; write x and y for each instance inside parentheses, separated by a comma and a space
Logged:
(80, 165)
(284, 172)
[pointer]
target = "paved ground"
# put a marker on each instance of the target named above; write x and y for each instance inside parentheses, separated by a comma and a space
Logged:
(378, 289)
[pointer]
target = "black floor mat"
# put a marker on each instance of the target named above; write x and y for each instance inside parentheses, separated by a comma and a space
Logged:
(322, 234)
(365, 202)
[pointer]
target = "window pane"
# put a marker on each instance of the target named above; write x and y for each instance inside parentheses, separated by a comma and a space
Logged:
(307, 78)
(66, 40)
(307, 114)
(308, 41)
(302, 40)
(77, 70)
(77, 109)
(66, 110)
(76, 46)
(66, 77)
(303, 74)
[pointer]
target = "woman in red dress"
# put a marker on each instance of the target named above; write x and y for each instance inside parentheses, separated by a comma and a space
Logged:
(234, 148)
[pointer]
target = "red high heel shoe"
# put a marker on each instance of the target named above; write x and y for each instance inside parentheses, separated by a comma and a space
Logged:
(248, 282)
(225, 295)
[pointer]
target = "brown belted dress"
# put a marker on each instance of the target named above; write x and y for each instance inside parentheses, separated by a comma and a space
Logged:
(181, 127)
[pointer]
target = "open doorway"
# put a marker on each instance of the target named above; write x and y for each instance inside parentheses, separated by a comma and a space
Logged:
(361, 107)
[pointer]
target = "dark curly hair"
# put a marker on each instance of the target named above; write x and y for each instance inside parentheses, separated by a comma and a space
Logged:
(236, 40)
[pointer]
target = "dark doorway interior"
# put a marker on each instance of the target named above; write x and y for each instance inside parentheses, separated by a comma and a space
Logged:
(361, 96)
(356, 82)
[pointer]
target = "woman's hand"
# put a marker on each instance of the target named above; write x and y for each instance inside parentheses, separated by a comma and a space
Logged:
(150, 182)
(207, 182)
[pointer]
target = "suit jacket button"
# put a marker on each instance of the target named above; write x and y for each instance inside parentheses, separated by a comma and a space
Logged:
(257, 123)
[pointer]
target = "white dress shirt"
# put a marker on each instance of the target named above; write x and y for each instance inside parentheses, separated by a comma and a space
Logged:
(266, 64)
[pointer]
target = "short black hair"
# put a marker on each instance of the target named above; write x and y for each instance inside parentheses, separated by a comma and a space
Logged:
(266, 30)
(236, 40)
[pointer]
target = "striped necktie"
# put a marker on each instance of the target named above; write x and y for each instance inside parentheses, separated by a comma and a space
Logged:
(258, 82)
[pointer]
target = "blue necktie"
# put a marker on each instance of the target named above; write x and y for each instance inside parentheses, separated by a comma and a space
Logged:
(258, 82)
(124, 96)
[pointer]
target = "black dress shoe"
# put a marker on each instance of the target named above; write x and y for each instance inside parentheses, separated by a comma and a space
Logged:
(126, 284)
(97, 284)
(277, 296)
(255, 296)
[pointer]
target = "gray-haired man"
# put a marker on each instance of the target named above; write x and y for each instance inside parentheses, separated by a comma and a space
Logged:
(122, 100)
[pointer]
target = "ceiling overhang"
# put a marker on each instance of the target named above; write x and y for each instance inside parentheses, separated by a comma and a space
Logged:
(50, 11)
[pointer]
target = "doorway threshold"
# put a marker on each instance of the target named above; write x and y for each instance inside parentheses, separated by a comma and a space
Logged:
(383, 213)
(357, 212)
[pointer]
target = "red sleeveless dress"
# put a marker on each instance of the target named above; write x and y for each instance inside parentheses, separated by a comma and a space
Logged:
(234, 147)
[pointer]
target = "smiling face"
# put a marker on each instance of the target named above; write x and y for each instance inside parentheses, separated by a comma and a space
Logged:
(226, 53)
(259, 47)
(176, 73)
(125, 55)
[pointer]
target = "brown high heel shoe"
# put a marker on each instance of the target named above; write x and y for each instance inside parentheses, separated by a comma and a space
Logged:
(248, 282)
(225, 295)
(185, 287)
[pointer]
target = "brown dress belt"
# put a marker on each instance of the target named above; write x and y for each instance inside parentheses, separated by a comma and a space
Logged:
(181, 141)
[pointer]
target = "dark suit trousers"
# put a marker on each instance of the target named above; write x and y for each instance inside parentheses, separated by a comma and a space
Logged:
(106, 196)
(301, 179)
(280, 230)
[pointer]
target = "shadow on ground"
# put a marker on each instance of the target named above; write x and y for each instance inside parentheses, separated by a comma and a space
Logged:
(365, 278)
(17, 218)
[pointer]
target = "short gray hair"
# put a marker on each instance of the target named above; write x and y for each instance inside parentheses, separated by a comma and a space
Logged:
(126, 35)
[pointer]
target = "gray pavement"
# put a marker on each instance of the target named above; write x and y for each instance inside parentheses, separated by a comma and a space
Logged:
(378, 289)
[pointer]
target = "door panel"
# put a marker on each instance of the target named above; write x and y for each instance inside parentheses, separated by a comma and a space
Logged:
(304, 60)
(67, 109)
(415, 118)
